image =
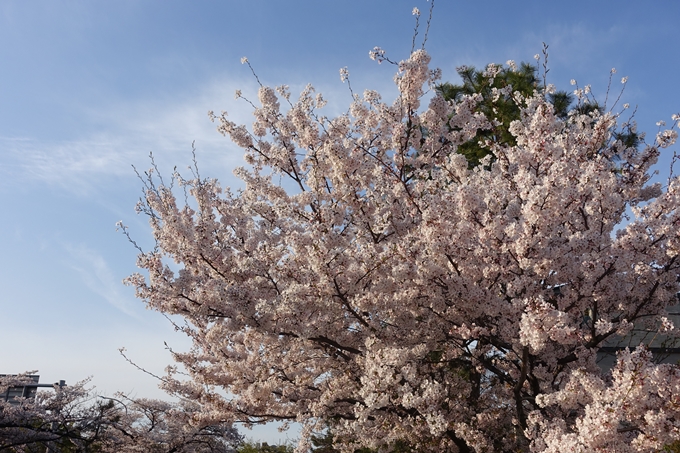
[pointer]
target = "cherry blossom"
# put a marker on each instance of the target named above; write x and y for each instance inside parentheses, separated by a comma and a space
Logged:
(74, 418)
(367, 278)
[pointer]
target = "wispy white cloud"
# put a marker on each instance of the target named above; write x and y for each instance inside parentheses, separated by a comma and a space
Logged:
(130, 131)
(98, 276)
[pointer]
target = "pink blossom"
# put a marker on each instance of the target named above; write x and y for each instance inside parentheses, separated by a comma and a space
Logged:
(366, 275)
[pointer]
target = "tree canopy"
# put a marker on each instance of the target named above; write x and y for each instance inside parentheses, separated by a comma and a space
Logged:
(367, 277)
(73, 419)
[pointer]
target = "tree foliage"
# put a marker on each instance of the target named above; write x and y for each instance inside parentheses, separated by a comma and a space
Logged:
(73, 420)
(367, 277)
(263, 447)
(497, 86)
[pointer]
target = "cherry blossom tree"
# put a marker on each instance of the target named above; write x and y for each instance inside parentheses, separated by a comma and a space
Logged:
(74, 419)
(148, 425)
(366, 278)
(58, 419)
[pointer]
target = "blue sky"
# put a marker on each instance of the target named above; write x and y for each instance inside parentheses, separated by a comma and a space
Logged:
(90, 88)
